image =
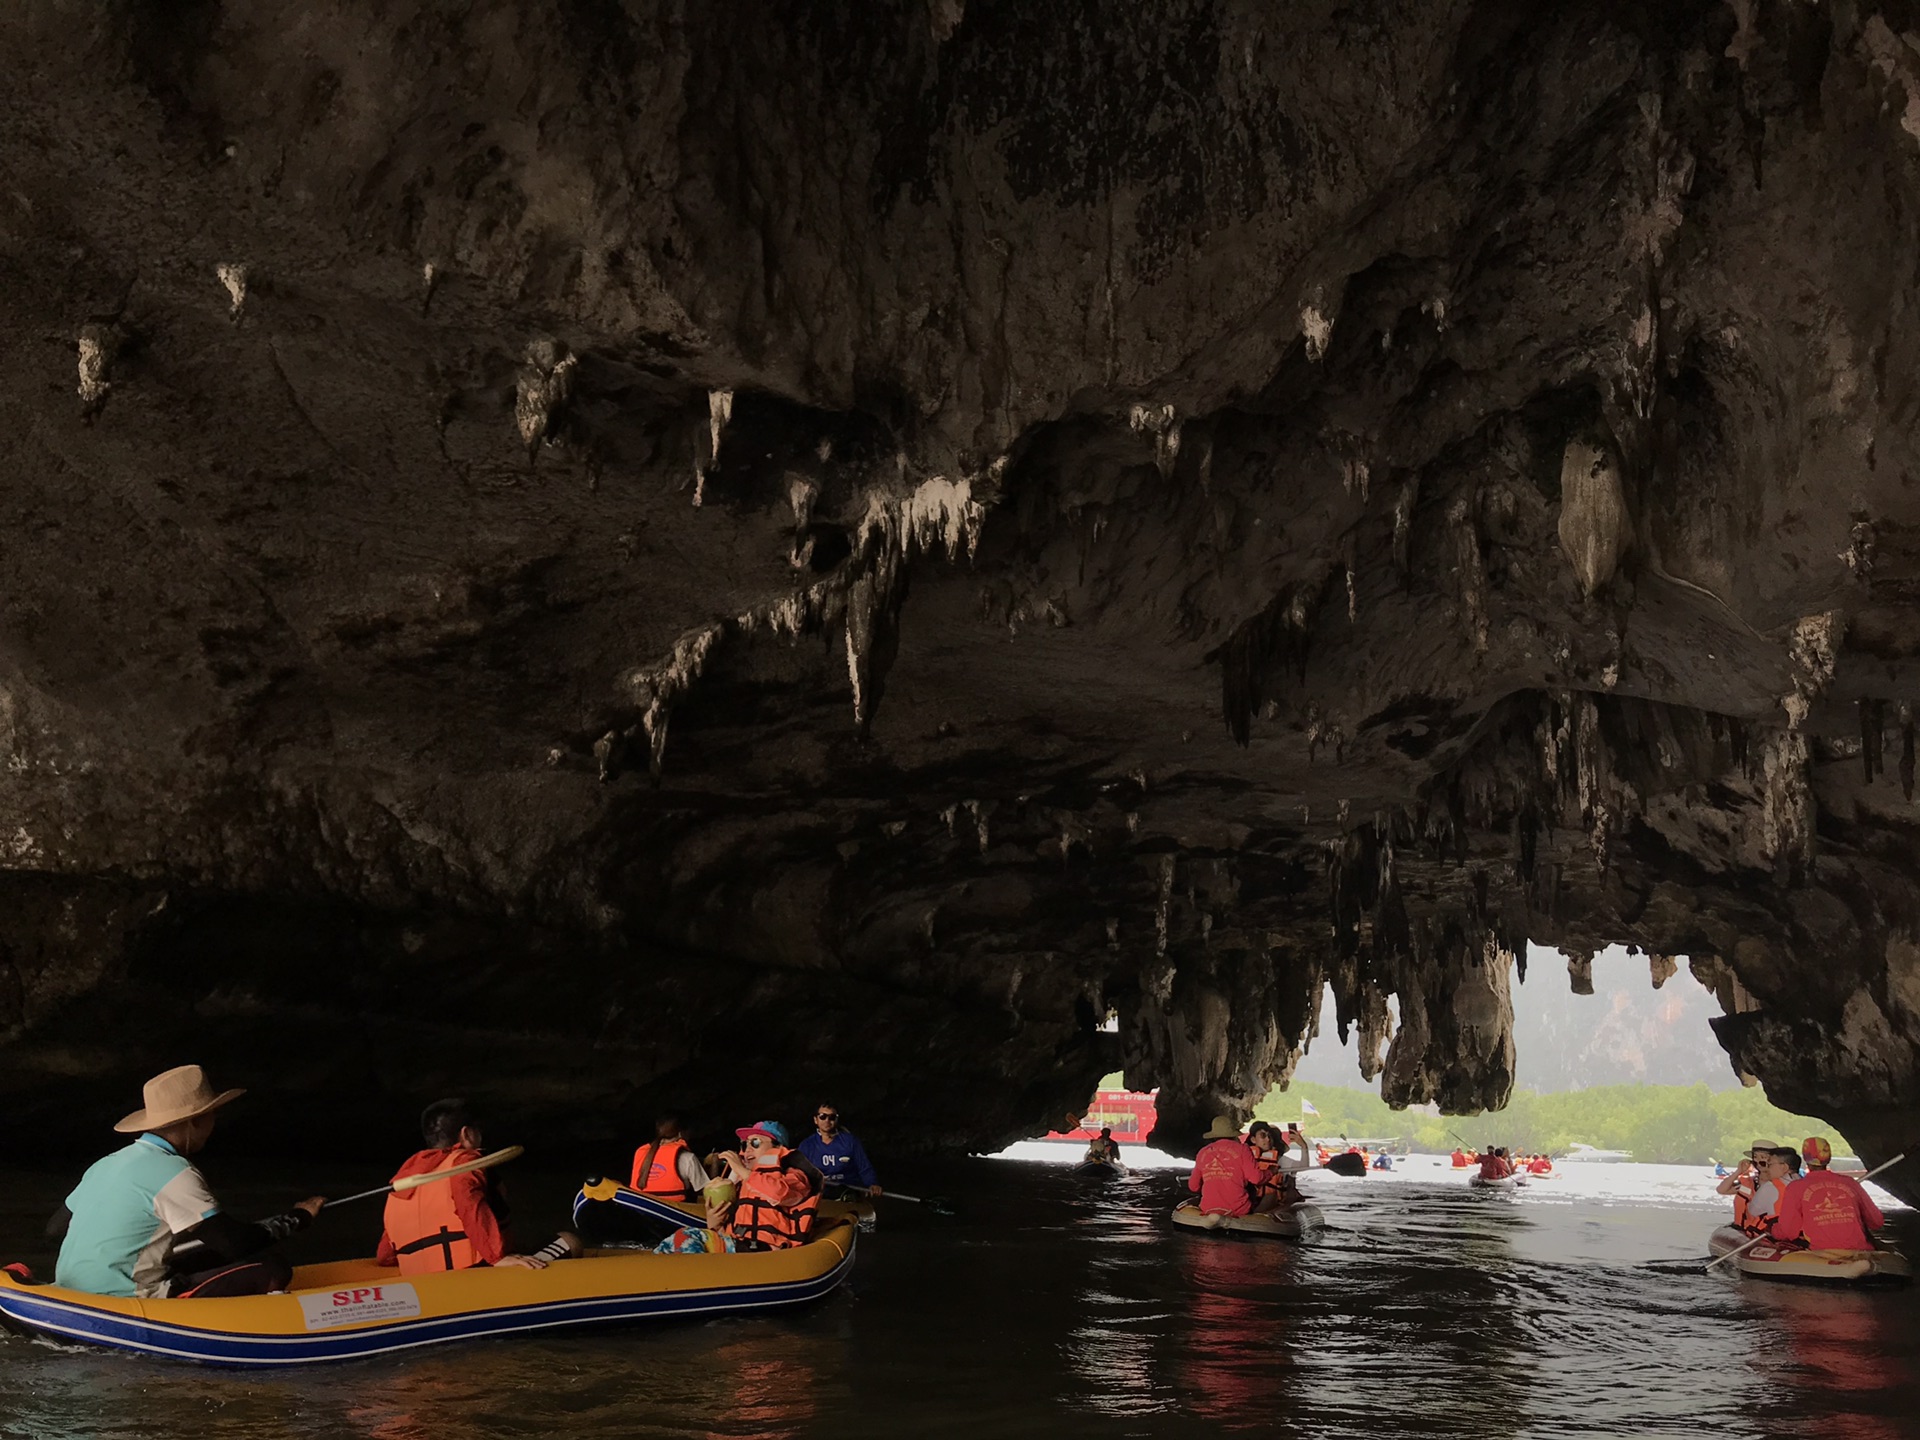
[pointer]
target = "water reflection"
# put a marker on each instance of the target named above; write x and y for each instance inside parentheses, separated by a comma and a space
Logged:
(1047, 1308)
(1234, 1358)
(1111, 1350)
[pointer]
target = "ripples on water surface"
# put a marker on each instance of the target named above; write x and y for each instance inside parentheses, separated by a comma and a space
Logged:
(1052, 1306)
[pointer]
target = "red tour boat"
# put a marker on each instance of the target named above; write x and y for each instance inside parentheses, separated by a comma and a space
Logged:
(1128, 1113)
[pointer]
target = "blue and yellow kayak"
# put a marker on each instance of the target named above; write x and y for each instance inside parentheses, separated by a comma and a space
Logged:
(355, 1308)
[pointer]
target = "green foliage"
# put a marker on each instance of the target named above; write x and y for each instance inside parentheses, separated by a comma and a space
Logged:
(1668, 1124)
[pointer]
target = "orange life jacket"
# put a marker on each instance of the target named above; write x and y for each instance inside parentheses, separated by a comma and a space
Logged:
(1273, 1176)
(758, 1223)
(662, 1175)
(426, 1230)
(1742, 1193)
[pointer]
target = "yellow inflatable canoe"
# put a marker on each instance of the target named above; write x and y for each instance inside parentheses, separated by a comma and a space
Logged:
(1767, 1261)
(1293, 1222)
(355, 1308)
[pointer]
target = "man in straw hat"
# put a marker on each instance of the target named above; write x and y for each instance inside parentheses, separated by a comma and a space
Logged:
(1224, 1172)
(142, 1221)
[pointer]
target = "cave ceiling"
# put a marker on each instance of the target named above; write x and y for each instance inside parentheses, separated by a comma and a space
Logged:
(720, 551)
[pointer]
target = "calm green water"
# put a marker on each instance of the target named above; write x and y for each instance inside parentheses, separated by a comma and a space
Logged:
(1048, 1309)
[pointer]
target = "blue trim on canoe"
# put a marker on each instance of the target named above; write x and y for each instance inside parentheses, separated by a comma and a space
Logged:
(647, 1205)
(154, 1337)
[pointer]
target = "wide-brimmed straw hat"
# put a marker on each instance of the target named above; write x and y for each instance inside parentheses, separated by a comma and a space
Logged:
(1222, 1129)
(181, 1094)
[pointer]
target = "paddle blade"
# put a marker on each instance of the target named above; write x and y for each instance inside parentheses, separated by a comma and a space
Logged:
(1354, 1167)
(938, 1206)
(485, 1162)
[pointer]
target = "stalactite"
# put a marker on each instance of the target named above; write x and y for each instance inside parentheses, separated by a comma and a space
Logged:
(1163, 424)
(1906, 752)
(981, 810)
(1261, 651)
(1595, 529)
(1580, 971)
(1470, 568)
(1589, 755)
(1814, 648)
(1787, 807)
(541, 392)
(1872, 737)
(1527, 828)
(654, 688)
(1862, 543)
(719, 416)
(1163, 907)
(1403, 507)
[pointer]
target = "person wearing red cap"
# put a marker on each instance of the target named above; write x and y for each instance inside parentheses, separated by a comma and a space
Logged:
(1827, 1211)
(777, 1197)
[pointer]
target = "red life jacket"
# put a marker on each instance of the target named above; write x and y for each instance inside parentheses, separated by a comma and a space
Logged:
(759, 1223)
(662, 1172)
(427, 1232)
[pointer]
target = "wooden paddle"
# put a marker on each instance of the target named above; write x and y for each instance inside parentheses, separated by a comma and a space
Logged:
(1741, 1250)
(414, 1182)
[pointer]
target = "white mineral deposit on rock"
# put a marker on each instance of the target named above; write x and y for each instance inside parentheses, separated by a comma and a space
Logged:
(97, 345)
(1316, 330)
(944, 17)
(719, 414)
(541, 391)
(1163, 424)
(233, 276)
(1595, 529)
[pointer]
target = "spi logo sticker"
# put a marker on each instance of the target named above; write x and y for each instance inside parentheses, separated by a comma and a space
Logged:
(357, 1304)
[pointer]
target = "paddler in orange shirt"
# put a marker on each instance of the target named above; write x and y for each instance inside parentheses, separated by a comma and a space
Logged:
(1827, 1211)
(1224, 1172)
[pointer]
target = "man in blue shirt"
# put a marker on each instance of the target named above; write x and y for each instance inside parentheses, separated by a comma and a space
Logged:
(838, 1154)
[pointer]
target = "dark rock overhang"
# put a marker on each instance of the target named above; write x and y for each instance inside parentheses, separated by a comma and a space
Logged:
(710, 552)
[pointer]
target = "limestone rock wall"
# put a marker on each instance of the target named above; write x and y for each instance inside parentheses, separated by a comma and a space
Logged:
(604, 550)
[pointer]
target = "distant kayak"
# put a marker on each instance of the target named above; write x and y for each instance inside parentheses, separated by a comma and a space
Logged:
(1505, 1182)
(1767, 1261)
(1101, 1170)
(1295, 1222)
